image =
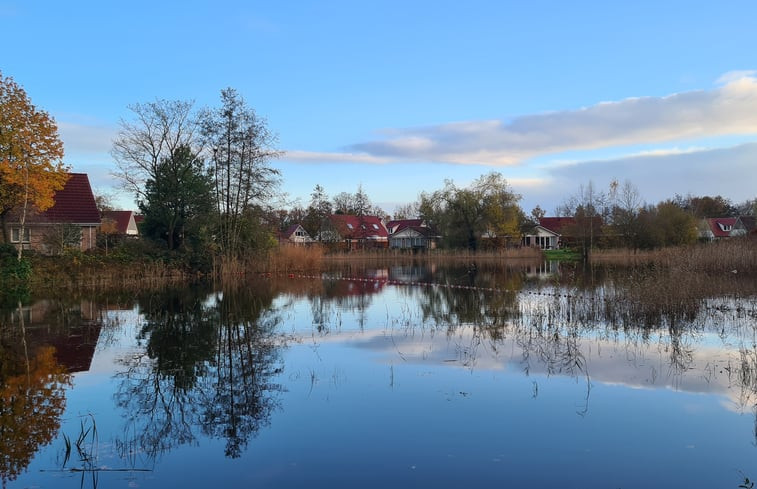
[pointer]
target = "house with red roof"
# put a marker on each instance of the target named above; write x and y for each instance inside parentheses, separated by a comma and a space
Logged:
(125, 222)
(554, 232)
(74, 205)
(355, 232)
(716, 228)
(412, 234)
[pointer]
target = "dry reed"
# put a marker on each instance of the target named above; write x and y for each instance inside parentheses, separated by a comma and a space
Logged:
(739, 255)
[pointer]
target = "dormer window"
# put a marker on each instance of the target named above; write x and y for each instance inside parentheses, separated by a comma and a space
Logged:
(375, 226)
(349, 225)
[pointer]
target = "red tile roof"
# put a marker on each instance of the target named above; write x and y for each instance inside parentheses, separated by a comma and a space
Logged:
(121, 218)
(562, 225)
(721, 226)
(74, 203)
(359, 227)
(556, 224)
(401, 224)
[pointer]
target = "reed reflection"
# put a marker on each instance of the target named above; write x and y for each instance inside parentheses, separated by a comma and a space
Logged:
(594, 324)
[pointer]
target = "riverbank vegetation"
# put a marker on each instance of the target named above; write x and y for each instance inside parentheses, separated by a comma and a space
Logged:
(212, 208)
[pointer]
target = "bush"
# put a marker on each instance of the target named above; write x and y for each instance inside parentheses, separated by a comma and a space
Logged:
(11, 268)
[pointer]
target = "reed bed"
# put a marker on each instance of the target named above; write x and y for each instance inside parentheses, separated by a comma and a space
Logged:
(735, 255)
(71, 275)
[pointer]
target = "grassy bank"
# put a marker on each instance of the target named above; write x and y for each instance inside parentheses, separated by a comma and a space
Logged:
(141, 268)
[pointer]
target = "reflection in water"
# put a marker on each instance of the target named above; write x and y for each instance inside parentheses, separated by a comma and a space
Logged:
(210, 364)
(585, 323)
(207, 366)
(32, 396)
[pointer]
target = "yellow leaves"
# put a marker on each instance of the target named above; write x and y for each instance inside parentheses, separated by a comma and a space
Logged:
(31, 405)
(30, 151)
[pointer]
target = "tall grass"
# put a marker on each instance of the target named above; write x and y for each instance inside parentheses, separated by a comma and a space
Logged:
(739, 255)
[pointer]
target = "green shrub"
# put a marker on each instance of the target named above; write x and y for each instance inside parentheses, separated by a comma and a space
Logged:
(11, 268)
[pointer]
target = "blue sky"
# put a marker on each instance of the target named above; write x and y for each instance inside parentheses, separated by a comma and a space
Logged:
(398, 96)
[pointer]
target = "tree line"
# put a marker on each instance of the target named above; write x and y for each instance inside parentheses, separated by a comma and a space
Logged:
(487, 213)
(204, 182)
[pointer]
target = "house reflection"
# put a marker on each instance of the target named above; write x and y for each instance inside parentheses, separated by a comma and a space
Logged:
(543, 270)
(72, 330)
(41, 346)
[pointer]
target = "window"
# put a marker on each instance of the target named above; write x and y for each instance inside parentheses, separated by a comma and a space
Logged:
(349, 225)
(16, 233)
(375, 226)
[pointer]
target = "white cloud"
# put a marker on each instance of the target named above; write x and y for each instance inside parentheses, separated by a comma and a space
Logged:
(736, 75)
(723, 171)
(327, 157)
(728, 109)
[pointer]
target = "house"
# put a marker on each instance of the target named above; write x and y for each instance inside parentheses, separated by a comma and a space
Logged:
(544, 238)
(125, 222)
(74, 206)
(295, 235)
(413, 234)
(716, 228)
(548, 234)
(744, 225)
(554, 232)
(355, 232)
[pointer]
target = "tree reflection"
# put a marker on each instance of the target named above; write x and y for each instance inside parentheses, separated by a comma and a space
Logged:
(32, 400)
(208, 367)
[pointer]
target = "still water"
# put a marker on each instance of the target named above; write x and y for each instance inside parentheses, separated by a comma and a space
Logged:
(405, 376)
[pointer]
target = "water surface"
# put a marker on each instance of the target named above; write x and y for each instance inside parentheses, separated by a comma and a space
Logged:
(406, 376)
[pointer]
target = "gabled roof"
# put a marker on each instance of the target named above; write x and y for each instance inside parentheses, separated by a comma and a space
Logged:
(419, 226)
(546, 230)
(401, 224)
(556, 224)
(563, 225)
(289, 232)
(721, 226)
(359, 227)
(121, 218)
(748, 223)
(422, 231)
(74, 204)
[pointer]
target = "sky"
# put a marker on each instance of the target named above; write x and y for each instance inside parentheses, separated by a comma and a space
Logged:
(399, 96)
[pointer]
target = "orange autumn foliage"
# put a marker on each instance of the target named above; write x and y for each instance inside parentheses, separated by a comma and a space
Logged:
(32, 400)
(31, 167)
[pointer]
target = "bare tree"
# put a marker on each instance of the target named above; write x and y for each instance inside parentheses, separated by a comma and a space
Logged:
(156, 131)
(242, 148)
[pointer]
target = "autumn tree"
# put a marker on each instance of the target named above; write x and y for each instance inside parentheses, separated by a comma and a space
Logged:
(31, 153)
(32, 401)
(488, 207)
(243, 179)
(706, 206)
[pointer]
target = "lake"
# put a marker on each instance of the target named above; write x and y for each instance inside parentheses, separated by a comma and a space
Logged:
(535, 375)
